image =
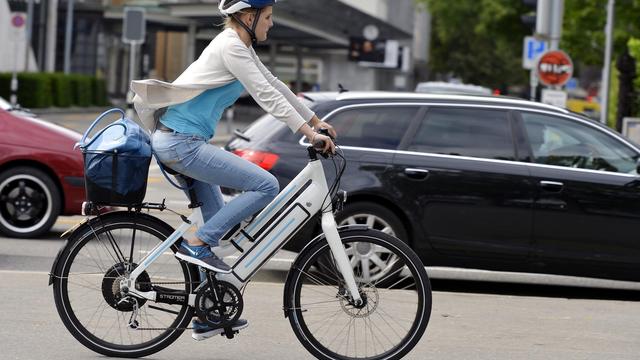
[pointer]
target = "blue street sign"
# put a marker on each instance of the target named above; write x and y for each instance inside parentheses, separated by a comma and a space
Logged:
(531, 49)
(571, 84)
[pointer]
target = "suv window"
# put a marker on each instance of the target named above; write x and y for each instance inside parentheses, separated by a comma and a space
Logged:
(465, 132)
(381, 127)
(562, 142)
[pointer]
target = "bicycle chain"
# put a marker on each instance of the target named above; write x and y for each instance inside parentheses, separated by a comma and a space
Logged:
(167, 283)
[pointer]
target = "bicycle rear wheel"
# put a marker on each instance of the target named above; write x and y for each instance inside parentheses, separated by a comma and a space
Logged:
(390, 322)
(87, 288)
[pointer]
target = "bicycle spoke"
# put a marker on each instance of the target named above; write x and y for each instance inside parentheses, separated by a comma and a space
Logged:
(386, 320)
(93, 285)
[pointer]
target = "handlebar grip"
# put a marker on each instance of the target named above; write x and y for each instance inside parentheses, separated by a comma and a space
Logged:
(319, 144)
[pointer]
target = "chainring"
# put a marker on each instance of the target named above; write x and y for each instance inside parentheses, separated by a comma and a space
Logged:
(207, 308)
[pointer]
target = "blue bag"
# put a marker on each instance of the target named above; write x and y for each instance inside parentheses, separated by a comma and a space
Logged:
(116, 162)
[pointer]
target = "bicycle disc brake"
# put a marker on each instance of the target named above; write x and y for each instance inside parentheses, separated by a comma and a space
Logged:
(219, 308)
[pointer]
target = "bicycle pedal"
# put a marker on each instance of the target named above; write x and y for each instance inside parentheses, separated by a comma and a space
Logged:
(229, 333)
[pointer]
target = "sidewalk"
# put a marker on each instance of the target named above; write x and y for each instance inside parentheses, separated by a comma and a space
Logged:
(79, 119)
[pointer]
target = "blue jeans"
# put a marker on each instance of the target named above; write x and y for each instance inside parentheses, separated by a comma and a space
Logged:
(212, 167)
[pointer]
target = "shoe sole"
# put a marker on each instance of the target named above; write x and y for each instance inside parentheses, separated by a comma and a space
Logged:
(195, 261)
(204, 336)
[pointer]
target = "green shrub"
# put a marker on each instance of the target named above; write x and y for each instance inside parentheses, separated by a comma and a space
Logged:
(38, 90)
(5, 85)
(100, 92)
(34, 90)
(62, 92)
(82, 90)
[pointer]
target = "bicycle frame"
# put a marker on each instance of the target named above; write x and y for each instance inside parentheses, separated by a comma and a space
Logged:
(305, 196)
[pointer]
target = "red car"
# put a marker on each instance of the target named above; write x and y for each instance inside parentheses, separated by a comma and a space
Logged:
(41, 175)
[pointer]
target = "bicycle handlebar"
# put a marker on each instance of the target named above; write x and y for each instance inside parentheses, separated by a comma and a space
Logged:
(319, 145)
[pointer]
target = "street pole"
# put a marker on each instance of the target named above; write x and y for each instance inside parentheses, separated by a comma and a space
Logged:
(533, 82)
(555, 30)
(606, 72)
(14, 76)
(132, 75)
(543, 19)
(27, 43)
(41, 32)
(67, 38)
(52, 30)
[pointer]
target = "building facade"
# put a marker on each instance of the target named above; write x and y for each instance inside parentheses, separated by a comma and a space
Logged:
(308, 47)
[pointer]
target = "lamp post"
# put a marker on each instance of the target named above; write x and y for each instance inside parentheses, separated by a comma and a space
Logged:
(606, 71)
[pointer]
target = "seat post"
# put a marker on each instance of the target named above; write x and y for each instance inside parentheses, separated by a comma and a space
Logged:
(193, 198)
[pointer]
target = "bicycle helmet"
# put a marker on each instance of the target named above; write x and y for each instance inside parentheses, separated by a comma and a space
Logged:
(231, 7)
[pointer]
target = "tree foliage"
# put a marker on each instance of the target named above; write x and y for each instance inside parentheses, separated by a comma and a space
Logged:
(583, 35)
(480, 41)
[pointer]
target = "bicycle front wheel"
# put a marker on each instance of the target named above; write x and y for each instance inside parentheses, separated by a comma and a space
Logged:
(87, 292)
(394, 315)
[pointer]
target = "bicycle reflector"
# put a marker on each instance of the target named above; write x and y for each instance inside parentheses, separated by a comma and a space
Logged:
(263, 159)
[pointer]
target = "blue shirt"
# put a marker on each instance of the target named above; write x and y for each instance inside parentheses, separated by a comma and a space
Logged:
(200, 115)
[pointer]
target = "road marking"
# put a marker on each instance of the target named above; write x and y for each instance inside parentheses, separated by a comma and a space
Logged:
(24, 272)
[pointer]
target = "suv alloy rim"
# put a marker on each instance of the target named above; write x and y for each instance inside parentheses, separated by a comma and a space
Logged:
(369, 263)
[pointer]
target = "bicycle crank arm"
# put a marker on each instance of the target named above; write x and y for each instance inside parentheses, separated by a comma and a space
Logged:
(330, 230)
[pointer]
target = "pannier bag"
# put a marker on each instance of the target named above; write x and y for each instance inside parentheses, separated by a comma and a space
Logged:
(116, 162)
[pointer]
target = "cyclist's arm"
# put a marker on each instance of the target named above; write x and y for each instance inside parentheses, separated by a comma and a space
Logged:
(238, 60)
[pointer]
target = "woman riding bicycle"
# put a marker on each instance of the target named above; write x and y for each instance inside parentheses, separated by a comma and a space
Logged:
(187, 112)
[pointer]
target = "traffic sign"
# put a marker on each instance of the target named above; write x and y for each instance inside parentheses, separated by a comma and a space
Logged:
(134, 25)
(531, 49)
(554, 97)
(554, 68)
(18, 20)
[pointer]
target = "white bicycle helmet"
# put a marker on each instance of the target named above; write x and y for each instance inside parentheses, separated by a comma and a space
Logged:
(231, 7)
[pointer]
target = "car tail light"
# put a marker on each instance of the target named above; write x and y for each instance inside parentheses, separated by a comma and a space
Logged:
(263, 159)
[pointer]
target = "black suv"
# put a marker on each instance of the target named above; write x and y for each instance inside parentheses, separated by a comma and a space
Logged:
(471, 181)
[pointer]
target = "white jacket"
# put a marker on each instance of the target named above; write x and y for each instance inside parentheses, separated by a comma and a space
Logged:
(225, 60)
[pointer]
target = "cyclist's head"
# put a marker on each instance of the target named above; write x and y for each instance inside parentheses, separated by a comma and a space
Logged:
(254, 16)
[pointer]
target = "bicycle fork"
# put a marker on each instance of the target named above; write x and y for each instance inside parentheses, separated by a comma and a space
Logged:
(330, 230)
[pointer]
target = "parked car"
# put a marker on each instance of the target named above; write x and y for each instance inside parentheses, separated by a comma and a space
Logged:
(41, 176)
(476, 182)
(441, 87)
(19, 111)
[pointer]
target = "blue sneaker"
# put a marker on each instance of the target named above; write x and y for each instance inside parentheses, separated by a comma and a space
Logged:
(202, 331)
(202, 256)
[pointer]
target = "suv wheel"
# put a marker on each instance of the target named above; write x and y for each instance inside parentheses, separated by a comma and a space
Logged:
(370, 264)
(29, 202)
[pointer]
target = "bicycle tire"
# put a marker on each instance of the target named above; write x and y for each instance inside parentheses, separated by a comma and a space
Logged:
(299, 313)
(69, 311)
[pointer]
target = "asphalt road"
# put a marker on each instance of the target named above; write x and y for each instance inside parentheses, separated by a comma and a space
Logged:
(464, 325)
(476, 314)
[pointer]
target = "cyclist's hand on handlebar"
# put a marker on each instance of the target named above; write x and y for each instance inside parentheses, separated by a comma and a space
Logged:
(323, 125)
(324, 143)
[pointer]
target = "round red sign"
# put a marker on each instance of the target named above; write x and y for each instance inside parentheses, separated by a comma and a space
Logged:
(555, 68)
(17, 21)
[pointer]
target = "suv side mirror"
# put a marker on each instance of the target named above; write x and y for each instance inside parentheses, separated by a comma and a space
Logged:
(638, 167)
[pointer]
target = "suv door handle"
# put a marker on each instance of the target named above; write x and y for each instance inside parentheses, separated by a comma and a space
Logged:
(551, 186)
(418, 174)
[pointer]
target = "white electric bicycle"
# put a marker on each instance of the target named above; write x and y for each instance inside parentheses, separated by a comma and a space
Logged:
(352, 292)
